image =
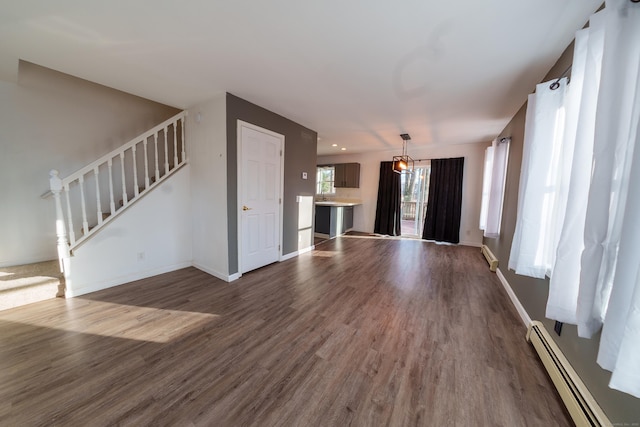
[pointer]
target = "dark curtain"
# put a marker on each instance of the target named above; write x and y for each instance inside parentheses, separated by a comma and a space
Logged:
(388, 207)
(444, 206)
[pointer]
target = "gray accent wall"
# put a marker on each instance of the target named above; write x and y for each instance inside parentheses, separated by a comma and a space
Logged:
(300, 147)
(620, 407)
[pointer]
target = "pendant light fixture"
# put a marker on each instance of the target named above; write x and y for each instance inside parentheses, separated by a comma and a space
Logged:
(403, 163)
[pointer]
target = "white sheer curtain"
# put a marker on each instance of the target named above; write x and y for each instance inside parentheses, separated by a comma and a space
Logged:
(595, 172)
(495, 174)
(610, 272)
(580, 124)
(532, 249)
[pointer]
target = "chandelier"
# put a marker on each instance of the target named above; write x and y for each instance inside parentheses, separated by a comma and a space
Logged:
(403, 163)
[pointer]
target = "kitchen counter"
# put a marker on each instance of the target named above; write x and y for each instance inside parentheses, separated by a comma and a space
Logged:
(336, 203)
(334, 217)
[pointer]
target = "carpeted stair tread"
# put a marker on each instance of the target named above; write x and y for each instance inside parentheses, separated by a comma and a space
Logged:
(24, 284)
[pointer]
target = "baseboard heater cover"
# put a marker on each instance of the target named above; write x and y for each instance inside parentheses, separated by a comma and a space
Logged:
(490, 257)
(581, 405)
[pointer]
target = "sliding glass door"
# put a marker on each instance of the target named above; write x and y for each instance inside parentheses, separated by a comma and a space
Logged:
(414, 191)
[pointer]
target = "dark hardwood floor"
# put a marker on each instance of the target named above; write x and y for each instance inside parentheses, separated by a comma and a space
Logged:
(361, 331)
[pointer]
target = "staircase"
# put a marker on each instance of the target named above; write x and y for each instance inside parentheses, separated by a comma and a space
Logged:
(89, 199)
(26, 284)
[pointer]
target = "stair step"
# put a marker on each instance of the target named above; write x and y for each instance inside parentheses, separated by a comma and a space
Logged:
(26, 284)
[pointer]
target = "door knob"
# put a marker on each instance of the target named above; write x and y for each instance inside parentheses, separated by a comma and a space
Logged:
(244, 208)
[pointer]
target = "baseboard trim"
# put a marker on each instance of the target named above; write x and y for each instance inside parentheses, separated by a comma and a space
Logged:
(514, 299)
(214, 273)
(71, 292)
(288, 256)
(296, 253)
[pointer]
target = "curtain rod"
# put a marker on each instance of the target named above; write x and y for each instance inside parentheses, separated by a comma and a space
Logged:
(555, 85)
(500, 141)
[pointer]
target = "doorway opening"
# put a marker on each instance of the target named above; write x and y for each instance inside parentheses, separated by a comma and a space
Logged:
(414, 190)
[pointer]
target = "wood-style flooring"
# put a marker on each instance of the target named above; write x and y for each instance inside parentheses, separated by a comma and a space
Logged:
(361, 331)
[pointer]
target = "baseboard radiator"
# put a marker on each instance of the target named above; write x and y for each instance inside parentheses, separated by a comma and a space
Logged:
(582, 407)
(490, 257)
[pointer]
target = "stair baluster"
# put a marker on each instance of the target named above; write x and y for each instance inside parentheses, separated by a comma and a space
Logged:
(98, 204)
(155, 140)
(72, 234)
(175, 145)
(136, 190)
(146, 165)
(125, 200)
(83, 205)
(184, 153)
(112, 203)
(166, 152)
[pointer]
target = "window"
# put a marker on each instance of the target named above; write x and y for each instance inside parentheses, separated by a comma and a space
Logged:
(493, 184)
(325, 178)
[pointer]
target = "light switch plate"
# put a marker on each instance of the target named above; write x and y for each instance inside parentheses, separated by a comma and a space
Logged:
(304, 175)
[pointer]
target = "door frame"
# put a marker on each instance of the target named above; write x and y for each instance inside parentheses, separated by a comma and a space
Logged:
(240, 125)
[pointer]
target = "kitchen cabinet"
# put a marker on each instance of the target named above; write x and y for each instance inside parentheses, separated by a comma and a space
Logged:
(333, 220)
(347, 175)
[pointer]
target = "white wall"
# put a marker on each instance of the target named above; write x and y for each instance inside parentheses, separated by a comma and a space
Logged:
(207, 154)
(153, 236)
(364, 215)
(50, 120)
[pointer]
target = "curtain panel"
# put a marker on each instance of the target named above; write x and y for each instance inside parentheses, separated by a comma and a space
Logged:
(444, 207)
(609, 292)
(581, 117)
(588, 179)
(532, 249)
(388, 206)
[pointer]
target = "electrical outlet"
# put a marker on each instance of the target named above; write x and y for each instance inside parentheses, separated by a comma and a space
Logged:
(558, 327)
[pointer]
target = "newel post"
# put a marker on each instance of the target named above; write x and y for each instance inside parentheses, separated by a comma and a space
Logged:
(55, 184)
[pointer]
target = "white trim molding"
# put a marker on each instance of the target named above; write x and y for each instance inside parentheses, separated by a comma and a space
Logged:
(514, 299)
(74, 291)
(297, 253)
(214, 273)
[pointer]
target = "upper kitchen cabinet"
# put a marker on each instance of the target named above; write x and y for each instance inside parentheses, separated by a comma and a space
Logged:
(347, 175)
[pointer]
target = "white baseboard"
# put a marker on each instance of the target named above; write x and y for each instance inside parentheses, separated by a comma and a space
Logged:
(514, 299)
(288, 256)
(71, 292)
(214, 273)
(296, 253)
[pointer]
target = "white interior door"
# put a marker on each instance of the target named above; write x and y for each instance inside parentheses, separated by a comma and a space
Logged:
(260, 176)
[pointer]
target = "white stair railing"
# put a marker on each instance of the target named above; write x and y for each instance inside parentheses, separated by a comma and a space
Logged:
(113, 180)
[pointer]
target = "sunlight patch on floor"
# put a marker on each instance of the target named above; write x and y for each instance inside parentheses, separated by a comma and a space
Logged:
(127, 321)
(324, 254)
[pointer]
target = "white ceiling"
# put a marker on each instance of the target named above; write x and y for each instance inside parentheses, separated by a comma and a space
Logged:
(358, 72)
